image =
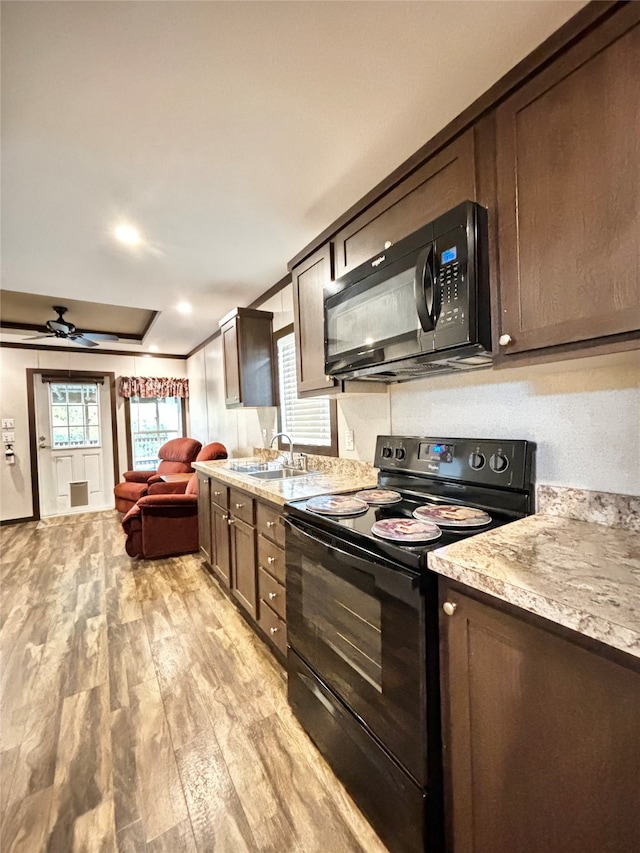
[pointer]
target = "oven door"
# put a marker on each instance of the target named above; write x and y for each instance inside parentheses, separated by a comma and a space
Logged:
(360, 625)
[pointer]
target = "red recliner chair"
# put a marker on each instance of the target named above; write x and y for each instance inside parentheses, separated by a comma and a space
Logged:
(175, 457)
(164, 525)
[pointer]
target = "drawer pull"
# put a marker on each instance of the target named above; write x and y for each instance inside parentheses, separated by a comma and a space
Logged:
(273, 630)
(272, 595)
(229, 521)
(271, 560)
(271, 524)
(505, 340)
(239, 506)
(217, 494)
(449, 607)
(225, 516)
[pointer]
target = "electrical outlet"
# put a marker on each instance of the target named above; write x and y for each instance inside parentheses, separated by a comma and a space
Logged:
(8, 437)
(349, 443)
(8, 423)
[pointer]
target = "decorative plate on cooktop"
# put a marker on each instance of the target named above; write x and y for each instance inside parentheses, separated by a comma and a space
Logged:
(451, 515)
(337, 505)
(379, 496)
(406, 530)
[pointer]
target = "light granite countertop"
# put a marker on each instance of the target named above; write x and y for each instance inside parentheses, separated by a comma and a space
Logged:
(578, 574)
(343, 478)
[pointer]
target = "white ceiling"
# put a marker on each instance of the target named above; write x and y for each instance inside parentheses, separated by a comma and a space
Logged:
(229, 133)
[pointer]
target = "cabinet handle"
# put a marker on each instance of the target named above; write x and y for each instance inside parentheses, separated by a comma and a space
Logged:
(449, 607)
(272, 595)
(271, 524)
(273, 630)
(239, 506)
(505, 340)
(217, 494)
(229, 521)
(388, 244)
(225, 517)
(271, 560)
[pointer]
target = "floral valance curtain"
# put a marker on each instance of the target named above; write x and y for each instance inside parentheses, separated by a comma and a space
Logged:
(146, 386)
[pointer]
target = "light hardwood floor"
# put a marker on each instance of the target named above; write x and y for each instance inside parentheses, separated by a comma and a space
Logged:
(140, 713)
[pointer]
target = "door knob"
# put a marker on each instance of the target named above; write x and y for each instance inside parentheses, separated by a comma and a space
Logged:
(449, 607)
(505, 340)
(42, 441)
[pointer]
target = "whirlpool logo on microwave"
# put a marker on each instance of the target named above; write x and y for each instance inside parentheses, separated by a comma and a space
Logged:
(377, 261)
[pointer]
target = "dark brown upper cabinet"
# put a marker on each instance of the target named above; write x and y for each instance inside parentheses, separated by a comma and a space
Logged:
(441, 183)
(247, 348)
(309, 279)
(568, 175)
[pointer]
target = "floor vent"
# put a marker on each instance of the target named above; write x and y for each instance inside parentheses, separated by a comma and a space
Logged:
(79, 493)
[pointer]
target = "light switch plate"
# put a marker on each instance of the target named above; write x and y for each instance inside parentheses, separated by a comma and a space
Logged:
(8, 423)
(349, 442)
(8, 437)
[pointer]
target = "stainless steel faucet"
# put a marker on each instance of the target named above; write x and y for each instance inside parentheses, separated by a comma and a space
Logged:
(284, 435)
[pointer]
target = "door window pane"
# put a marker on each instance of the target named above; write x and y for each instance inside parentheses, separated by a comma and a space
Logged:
(75, 416)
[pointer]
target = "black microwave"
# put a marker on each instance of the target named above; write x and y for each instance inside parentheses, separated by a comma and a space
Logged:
(419, 307)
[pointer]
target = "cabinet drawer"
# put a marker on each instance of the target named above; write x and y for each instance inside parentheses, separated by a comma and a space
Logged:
(219, 493)
(241, 505)
(269, 523)
(273, 627)
(271, 558)
(272, 593)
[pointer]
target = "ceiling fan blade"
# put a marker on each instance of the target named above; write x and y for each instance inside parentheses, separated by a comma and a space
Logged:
(99, 336)
(78, 339)
(37, 337)
(61, 326)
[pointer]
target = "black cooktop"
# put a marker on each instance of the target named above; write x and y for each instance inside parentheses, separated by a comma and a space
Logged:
(356, 529)
(489, 474)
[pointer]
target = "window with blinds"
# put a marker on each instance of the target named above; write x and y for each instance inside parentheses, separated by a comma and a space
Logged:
(309, 422)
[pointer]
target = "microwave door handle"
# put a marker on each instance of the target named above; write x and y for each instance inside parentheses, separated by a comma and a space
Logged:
(423, 288)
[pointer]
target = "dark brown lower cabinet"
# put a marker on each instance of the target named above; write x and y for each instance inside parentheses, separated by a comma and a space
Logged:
(243, 562)
(541, 734)
(220, 560)
(204, 521)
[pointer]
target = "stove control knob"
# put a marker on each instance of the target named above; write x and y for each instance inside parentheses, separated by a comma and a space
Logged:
(498, 463)
(386, 452)
(477, 460)
(400, 452)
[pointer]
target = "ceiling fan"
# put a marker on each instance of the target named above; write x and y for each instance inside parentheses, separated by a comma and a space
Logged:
(60, 328)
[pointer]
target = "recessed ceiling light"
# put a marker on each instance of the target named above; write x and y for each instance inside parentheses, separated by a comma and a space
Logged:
(184, 307)
(153, 348)
(128, 234)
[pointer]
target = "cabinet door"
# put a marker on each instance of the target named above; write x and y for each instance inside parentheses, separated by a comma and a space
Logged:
(204, 516)
(243, 560)
(568, 154)
(231, 362)
(220, 552)
(541, 737)
(309, 279)
(444, 181)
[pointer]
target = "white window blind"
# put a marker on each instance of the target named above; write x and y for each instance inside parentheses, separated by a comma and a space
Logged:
(306, 421)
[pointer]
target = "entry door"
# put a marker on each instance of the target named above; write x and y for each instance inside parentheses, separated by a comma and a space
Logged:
(75, 449)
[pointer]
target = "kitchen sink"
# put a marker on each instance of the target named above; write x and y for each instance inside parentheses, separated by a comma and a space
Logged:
(282, 474)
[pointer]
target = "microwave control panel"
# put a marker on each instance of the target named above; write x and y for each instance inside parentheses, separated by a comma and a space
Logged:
(451, 275)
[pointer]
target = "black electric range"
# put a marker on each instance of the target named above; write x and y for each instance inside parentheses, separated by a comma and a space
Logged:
(362, 622)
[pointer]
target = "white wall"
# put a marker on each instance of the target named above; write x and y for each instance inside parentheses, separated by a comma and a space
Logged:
(15, 482)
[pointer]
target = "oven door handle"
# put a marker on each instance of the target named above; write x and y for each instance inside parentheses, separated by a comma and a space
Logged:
(394, 580)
